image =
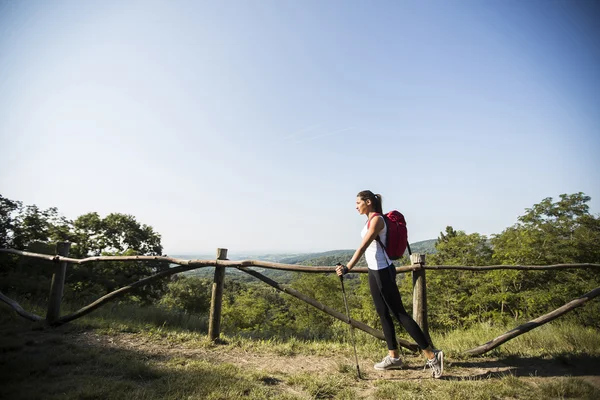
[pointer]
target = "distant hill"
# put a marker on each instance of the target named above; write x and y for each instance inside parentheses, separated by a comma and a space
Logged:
(330, 257)
(237, 275)
(300, 258)
(424, 246)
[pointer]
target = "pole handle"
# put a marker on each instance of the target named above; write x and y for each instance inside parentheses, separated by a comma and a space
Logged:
(341, 276)
(345, 270)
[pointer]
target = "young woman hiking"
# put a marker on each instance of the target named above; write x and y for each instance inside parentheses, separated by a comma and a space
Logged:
(382, 282)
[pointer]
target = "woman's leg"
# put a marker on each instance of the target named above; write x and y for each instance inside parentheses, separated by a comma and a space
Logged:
(382, 310)
(391, 296)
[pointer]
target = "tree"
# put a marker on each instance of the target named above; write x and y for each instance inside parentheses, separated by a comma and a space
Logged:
(256, 310)
(553, 233)
(119, 235)
(22, 225)
(189, 294)
(325, 289)
(8, 209)
(31, 228)
(116, 233)
(451, 294)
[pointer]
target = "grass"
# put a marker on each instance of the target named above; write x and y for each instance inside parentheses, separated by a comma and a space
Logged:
(171, 358)
(322, 386)
(506, 387)
(548, 340)
(135, 318)
(46, 365)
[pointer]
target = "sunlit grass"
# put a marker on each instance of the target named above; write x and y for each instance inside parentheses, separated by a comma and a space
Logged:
(551, 340)
(505, 387)
(548, 340)
(156, 323)
(322, 386)
(45, 363)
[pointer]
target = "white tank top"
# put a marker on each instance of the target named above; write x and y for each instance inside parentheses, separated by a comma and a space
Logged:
(375, 255)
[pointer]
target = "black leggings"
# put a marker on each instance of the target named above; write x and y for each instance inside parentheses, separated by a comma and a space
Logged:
(387, 299)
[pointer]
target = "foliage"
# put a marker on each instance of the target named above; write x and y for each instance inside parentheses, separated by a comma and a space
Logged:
(189, 294)
(454, 297)
(116, 233)
(326, 289)
(548, 233)
(256, 310)
(31, 228)
(553, 233)
(261, 311)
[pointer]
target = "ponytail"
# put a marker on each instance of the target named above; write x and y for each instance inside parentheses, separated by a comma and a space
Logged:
(378, 204)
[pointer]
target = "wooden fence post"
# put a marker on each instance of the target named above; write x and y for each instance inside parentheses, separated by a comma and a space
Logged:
(214, 324)
(420, 294)
(57, 286)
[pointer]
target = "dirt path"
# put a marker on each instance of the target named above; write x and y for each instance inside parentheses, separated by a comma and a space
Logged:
(282, 365)
(291, 370)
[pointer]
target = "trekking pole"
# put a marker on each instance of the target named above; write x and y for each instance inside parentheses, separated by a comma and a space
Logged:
(351, 327)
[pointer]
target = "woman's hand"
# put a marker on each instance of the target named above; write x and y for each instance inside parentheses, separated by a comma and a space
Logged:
(341, 269)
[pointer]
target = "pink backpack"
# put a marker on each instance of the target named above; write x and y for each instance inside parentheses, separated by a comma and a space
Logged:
(397, 235)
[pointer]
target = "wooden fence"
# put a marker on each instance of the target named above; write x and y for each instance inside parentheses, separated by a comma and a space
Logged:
(417, 268)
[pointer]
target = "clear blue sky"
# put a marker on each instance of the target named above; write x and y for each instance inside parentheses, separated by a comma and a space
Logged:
(252, 125)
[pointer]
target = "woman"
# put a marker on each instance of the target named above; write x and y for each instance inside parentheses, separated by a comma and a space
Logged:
(382, 282)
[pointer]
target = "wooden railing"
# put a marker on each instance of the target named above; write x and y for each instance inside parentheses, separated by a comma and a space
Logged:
(417, 267)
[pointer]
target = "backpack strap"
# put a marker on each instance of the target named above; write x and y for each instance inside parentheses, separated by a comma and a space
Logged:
(377, 238)
(379, 241)
(369, 221)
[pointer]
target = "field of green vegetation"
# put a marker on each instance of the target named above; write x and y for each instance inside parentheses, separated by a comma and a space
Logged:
(147, 353)
(152, 342)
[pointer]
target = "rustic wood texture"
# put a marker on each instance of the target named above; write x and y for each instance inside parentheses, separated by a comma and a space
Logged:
(526, 327)
(420, 294)
(285, 267)
(57, 285)
(216, 300)
(19, 310)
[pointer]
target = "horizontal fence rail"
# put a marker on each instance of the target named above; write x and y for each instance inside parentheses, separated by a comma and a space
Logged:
(417, 267)
(284, 267)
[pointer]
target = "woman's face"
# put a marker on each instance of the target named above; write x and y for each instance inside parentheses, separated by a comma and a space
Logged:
(362, 206)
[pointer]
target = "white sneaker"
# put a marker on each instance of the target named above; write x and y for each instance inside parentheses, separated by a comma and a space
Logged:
(436, 364)
(388, 363)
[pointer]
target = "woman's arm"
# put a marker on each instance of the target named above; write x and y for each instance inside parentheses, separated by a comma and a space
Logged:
(375, 227)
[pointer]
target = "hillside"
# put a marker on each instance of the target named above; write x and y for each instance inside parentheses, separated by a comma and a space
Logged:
(334, 256)
(330, 257)
(424, 246)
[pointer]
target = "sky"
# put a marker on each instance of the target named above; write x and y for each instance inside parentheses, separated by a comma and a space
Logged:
(252, 125)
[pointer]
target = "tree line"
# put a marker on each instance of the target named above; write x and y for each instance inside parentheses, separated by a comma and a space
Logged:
(28, 227)
(550, 232)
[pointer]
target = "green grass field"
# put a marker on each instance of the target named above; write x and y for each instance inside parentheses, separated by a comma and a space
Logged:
(124, 352)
